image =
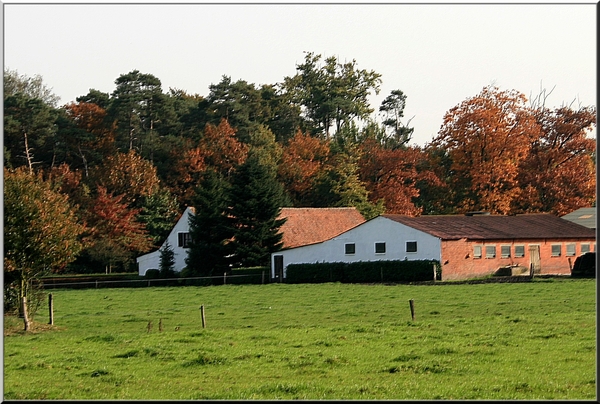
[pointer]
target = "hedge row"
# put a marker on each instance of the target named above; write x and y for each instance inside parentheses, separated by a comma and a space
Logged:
(363, 271)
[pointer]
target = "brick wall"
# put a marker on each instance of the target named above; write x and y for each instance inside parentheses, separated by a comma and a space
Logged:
(459, 260)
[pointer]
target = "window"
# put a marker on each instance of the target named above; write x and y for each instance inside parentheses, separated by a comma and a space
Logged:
(556, 250)
(350, 248)
(571, 250)
(184, 240)
(490, 251)
(379, 248)
(505, 251)
(585, 247)
(519, 251)
(411, 246)
(477, 251)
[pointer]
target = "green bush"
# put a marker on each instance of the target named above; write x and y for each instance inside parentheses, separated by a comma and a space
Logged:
(153, 274)
(363, 271)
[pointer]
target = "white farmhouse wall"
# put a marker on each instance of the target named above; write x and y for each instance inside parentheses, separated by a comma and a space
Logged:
(393, 234)
(152, 260)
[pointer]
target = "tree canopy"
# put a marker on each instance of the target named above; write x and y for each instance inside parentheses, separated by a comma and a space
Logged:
(125, 164)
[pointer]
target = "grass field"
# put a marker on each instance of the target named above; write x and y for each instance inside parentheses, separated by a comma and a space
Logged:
(534, 340)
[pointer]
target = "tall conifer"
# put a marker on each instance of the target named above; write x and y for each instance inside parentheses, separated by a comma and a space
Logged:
(209, 228)
(256, 198)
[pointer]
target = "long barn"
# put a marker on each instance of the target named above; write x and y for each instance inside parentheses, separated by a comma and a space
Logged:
(467, 246)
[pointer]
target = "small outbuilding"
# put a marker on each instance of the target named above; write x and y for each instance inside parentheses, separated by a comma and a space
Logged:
(468, 246)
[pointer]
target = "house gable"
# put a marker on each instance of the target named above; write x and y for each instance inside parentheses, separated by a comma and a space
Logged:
(177, 240)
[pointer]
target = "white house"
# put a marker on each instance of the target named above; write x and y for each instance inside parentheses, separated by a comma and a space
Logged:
(378, 239)
(303, 226)
(179, 239)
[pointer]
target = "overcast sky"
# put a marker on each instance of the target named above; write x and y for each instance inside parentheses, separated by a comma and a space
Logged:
(438, 55)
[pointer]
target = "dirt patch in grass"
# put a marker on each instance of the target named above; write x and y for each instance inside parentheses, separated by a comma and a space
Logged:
(13, 325)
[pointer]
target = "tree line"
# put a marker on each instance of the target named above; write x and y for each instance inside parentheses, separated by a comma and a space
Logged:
(119, 168)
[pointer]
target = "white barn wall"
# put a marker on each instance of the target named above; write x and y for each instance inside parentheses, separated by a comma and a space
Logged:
(152, 260)
(380, 229)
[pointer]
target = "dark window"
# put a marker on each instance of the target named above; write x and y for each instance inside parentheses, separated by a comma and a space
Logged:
(571, 250)
(184, 240)
(350, 248)
(379, 248)
(519, 251)
(411, 246)
(490, 251)
(585, 248)
(556, 250)
(505, 251)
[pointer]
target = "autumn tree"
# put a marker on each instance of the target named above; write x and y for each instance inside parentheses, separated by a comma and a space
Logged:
(487, 137)
(392, 176)
(128, 174)
(558, 175)
(116, 236)
(90, 137)
(302, 160)
(41, 233)
(221, 148)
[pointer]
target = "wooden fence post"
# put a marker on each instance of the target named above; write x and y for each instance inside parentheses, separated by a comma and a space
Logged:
(25, 314)
(412, 309)
(203, 317)
(263, 277)
(51, 309)
(434, 273)
(224, 278)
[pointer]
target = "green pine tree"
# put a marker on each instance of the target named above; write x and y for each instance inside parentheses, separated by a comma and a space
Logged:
(256, 198)
(210, 230)
(167, 261)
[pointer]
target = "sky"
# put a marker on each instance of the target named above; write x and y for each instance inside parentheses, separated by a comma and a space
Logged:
(439, 55)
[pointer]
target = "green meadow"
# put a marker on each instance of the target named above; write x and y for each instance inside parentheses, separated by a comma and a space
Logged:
(512, 341)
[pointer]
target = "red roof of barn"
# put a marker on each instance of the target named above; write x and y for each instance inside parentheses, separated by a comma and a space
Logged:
(314, 225)
(495, 227)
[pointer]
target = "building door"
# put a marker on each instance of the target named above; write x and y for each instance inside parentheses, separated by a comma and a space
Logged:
(535, 266)
(278, 268)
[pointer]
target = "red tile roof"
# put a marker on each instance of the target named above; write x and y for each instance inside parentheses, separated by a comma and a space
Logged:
(313, 225)
(495, 227)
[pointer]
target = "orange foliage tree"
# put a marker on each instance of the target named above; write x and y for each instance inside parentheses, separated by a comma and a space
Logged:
(487, 137)
(116, 236)
(303, 158)
(219, 149)
(558, 176)
(100, 139)
(393, 175)
(128, 174)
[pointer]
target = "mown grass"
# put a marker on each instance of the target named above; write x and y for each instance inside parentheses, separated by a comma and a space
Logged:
(518, 341)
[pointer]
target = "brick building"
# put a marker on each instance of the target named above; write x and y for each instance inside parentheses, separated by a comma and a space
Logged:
(467, 246)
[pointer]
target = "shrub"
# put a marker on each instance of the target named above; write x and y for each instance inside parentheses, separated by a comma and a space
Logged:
(153, 274)
(364, 271)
